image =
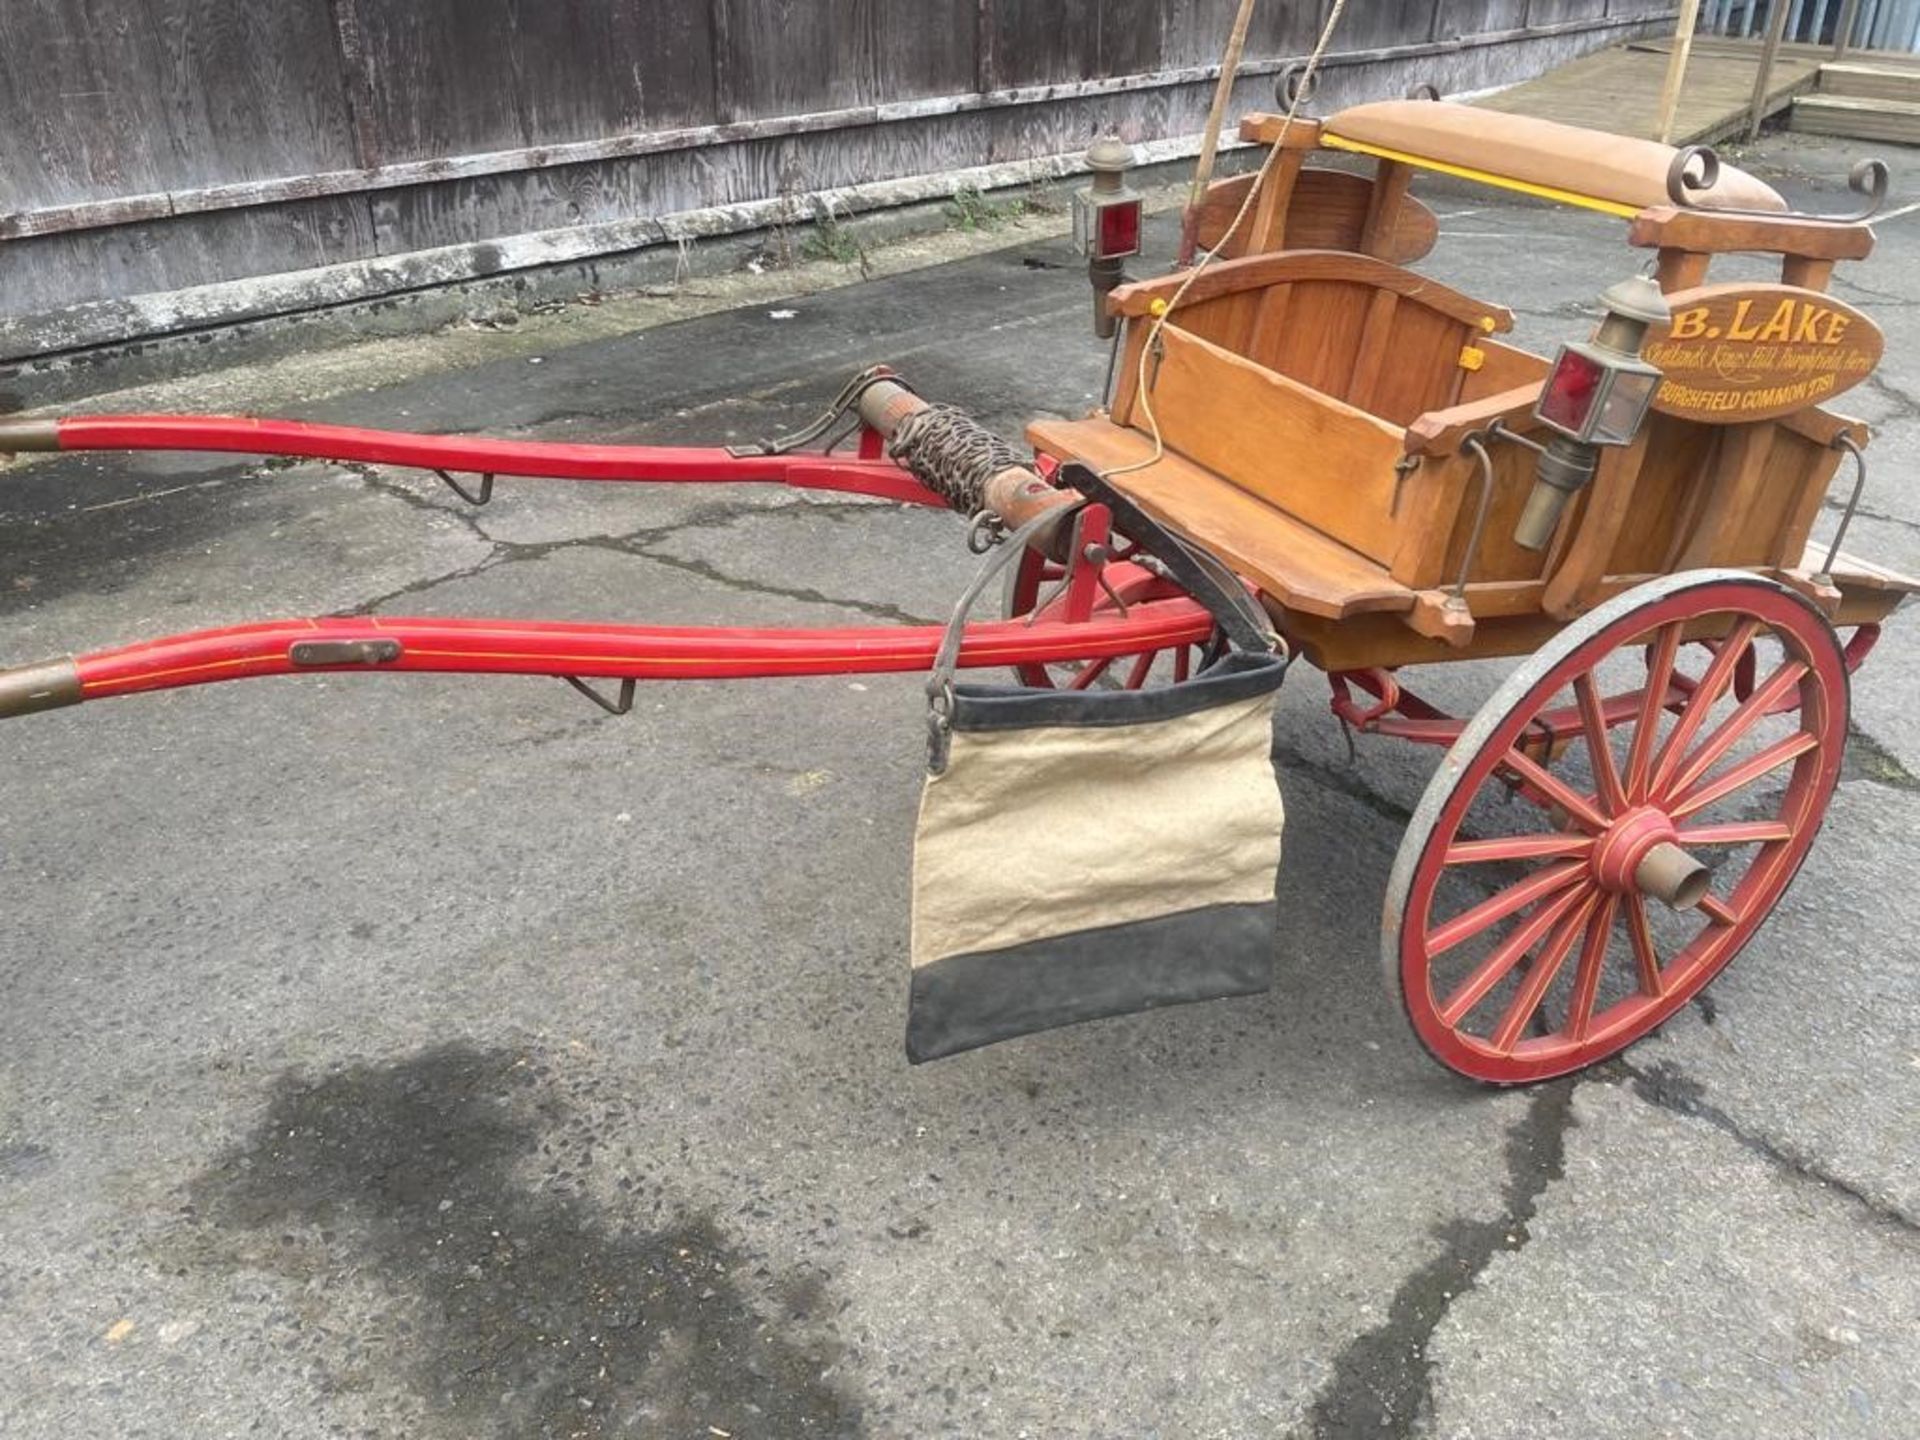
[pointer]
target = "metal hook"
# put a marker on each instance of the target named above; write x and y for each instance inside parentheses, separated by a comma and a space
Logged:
(1474, 447)
(612, 707)
(1846, 442)
(472, 497)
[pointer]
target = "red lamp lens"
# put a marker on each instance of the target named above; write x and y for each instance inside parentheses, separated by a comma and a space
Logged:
(1570, 390)
(1120, 230)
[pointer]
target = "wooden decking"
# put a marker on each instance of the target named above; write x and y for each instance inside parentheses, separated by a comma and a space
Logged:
(1619, 89)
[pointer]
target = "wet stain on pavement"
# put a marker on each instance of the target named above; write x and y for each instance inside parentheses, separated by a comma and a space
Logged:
(532, 1312)
(23, 1160)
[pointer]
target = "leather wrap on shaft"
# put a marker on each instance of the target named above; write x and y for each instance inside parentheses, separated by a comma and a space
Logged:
(957, 457)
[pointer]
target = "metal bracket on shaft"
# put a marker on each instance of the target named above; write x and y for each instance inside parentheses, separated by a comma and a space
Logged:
(612, 707)
(472, 497)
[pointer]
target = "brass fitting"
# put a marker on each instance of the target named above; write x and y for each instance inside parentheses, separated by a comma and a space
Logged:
(19, 435)
(46, 686)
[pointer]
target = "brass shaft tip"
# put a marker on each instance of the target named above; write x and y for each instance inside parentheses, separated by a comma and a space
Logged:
(46, 686)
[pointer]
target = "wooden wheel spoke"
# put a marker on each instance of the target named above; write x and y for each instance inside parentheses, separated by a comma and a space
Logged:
(1737, 832)
(1182, 663)
(1556, 790)
(1593, 964)
(1706, 694)
(1507, 954)
(1729, 732)
(1142, 667)
(1606, 773)
(1092, 671)
(1718, 911)
(1647, 727)
(1510, 901)
(1744, 774)
(1646, 954)
(1518, 847)
(1534, 988)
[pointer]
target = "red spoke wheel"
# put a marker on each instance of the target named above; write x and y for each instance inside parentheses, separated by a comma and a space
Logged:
(1615, 825)
(1035, 582)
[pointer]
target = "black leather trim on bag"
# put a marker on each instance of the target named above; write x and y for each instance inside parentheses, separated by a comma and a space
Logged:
(1233, 677)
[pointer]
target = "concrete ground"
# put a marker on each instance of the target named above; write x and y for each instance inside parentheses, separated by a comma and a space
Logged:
(440, 1057)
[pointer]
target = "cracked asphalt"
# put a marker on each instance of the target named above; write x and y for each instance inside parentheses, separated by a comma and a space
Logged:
(440, 1057)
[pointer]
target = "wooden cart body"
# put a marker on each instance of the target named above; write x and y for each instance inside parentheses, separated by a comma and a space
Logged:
(1312, 396)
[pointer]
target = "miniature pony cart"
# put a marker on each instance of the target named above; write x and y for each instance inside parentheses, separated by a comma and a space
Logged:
(1398, 487)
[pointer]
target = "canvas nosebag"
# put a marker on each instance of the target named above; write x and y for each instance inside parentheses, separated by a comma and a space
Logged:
(1088, 853)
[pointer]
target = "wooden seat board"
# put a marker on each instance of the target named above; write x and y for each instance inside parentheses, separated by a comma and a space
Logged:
(1297, 565)
(1852, 570)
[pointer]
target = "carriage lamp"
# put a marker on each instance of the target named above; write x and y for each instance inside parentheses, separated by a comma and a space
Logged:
(1598, 393)
(1107, 218)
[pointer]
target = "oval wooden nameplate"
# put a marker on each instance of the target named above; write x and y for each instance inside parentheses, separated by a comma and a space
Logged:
(1735, 353)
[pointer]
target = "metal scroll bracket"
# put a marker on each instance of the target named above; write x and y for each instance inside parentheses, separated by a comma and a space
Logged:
(1696, 169)
(848, 398)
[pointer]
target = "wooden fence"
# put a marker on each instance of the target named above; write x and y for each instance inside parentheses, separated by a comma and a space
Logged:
(166, 164)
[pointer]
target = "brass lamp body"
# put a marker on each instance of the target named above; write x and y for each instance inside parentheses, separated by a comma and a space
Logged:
(1568, 460)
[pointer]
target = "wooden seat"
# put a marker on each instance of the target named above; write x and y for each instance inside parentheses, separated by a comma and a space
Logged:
(1297, 565)
(1617, 170)
(1852, 571)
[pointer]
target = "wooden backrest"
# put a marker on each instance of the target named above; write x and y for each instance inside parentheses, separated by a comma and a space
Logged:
(1356, 329)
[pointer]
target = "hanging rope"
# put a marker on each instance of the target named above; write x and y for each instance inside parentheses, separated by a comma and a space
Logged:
(1142, 395)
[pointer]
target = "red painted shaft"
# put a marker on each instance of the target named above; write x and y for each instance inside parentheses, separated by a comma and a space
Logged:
(544, 459)
(522, 647)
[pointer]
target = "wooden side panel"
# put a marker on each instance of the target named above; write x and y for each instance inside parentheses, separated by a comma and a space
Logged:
(1321, 339)
(1679, 456)
(1316, 459)
(1757, 513)
(1423, 372)
(1328, 211)
(1506, 367)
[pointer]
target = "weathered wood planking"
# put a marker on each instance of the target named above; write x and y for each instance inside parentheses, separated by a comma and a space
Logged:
(160, 145)
(158, 256)
(106, 98)
(447, 77)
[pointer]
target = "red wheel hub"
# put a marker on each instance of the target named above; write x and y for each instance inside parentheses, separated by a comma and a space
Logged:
(1618, 852)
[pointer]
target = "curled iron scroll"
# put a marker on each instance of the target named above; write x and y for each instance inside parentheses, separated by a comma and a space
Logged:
(1425, 90)
(1696, 169)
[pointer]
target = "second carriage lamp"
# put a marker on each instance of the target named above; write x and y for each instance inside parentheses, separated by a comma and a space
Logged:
(1106, 223)
(1598, 393)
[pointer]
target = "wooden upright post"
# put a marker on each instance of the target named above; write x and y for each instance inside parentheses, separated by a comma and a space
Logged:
(1676, 70)
(1757, 108)
(1216, 118)
(1843, 32)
